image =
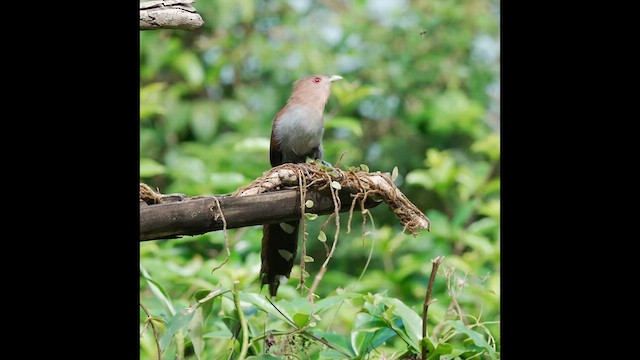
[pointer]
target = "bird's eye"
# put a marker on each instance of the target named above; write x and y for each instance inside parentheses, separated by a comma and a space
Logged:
(316, 79)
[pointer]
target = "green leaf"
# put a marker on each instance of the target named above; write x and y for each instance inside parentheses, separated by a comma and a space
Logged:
(489, 145)
(346, 123)
(434, 352)
(263, 357)
(336, 340)
(301, 319)
(429, 344)
(364, 167)
(203, 121)
(150, 168)
(463, 212)
(455, 111)
(491, 208)
(367, 342)
(308, 258)
(178, 322)
(205, 298)
(158, 290)
(477, 338)
(311, 216)
(412, 322)
(333, 300)
(196, 332)
(309, 203)
(227, 180)
(365, 322)
(336, 185)
(394, 173)
(222, 333)
(150, 100)
(322, 236)
(261, 303)
(190, 68)
(330, 354)
(420, 177)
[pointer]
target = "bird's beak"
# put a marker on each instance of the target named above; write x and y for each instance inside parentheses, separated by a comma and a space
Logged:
(333, 78)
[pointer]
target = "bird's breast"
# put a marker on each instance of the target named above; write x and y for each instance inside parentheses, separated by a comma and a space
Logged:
(298, 130)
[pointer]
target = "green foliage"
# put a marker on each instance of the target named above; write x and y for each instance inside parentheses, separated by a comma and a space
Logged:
(420, 100)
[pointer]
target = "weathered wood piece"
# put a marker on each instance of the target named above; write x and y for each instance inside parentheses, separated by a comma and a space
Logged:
(171, 14)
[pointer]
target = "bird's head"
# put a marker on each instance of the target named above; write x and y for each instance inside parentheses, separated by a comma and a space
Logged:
(316, 87)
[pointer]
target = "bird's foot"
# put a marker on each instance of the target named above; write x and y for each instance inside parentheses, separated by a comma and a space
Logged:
(333, 172)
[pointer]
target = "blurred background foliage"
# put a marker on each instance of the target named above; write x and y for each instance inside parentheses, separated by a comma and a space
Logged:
(421, 92)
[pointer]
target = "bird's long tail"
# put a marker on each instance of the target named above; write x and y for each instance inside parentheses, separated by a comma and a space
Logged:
(279, 246)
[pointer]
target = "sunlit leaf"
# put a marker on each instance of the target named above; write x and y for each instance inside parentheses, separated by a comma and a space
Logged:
(190, 68)
(150, 168)
(489, 145)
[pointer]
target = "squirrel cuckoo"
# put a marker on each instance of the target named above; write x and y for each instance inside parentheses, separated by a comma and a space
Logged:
(296, 133)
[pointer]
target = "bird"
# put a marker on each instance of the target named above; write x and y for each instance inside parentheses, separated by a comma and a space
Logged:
(296, 134)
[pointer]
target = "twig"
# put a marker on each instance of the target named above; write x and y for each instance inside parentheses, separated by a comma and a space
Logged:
(226, 238)
(323, 269)
(155, 333)
(302, 184)
(243, 323)
(366, 265)
(281, 313)
(435, 263)
(454, 296)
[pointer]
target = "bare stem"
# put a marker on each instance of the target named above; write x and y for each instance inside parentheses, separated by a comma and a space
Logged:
(243, 322)
(435, 263)
(155, 333)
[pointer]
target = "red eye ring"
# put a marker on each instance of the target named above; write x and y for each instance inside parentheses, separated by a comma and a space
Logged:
(316, 79)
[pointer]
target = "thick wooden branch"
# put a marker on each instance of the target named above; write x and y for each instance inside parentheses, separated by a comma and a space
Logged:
(274, 197)
(169, 14)
(198, 215)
